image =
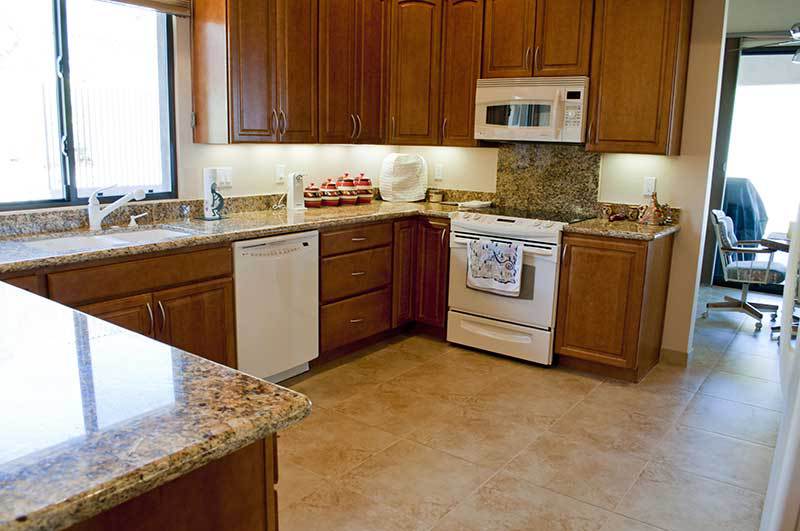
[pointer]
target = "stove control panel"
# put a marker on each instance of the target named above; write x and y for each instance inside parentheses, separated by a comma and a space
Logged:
(505, 226)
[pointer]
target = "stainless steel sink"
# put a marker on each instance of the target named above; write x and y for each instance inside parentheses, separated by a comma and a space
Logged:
(103, 241)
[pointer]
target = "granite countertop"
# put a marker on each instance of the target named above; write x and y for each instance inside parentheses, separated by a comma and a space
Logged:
(628, 230)
(93, 415)
(16, 255)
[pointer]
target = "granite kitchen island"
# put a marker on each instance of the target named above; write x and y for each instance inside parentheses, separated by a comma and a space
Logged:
(101, 428)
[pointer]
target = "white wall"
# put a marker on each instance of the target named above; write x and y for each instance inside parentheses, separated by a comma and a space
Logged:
(254, 165)
(683, 181)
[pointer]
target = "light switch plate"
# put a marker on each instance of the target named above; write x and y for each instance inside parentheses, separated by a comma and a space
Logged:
(280, 173)
(438, 172)
(649, 186)
(224, 177)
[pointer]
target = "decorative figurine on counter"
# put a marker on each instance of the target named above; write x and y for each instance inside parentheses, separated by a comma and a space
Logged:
(655, 213)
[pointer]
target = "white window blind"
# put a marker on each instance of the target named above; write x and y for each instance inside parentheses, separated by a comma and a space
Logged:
(182, 8)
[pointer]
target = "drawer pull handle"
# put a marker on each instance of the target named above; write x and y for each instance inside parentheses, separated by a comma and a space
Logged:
(359, 239)
(355, 321)
(358, 273)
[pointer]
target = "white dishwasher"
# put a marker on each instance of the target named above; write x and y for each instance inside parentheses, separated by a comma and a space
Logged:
(277, 304)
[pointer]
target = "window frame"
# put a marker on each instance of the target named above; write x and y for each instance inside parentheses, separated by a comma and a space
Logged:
(67, 157)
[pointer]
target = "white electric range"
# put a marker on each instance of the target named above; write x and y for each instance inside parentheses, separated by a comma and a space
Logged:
(522, 326)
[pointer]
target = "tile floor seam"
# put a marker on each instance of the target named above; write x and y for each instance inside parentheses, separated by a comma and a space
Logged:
(740, 402)
(727, 436)
(744, 375)
(706, 477)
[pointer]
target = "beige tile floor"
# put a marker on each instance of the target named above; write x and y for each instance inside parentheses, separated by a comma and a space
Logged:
(416, 434)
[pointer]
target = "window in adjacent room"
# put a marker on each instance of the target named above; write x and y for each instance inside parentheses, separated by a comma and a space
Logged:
(85, 102)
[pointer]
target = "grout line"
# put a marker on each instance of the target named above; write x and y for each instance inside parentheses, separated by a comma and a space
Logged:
(718, 433)
(740, 402)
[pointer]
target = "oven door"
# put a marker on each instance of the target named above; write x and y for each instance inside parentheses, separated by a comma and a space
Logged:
(535, 305)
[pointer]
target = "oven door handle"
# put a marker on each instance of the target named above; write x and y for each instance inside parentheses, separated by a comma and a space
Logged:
(457, 241)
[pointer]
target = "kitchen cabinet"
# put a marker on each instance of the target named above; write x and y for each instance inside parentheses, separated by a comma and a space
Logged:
(297, 70)
(611, 303)
(636, 99)
(353, 39)
(132, 313)
(415, 71)
(508, 38)
(404, 271)
(537, 37)
(461, 68)
(355, 285)
(433, 267)
(32, 283)
(199, 319)
(235, 492)
(562, 37)
(270, 60)
(183, 299)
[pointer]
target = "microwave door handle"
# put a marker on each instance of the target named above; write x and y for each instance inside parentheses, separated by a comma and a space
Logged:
(557, 115)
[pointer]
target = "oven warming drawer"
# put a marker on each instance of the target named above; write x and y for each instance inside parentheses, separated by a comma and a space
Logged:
(522, 342)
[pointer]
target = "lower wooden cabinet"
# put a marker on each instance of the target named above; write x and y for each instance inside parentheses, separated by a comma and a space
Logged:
(433, 269)
(32, 283)
(132, 313)
(199, 319)
(354, 319)
(611, 302)
(404, 271)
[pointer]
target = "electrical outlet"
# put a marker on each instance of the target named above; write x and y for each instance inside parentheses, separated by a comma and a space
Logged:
(280, 173)
(649, 186)
(438, 172)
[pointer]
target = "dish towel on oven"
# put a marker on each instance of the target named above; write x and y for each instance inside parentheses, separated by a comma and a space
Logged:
(495, 267)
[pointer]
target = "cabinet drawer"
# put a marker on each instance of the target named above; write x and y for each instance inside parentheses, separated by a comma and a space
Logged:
(356, 318)
(138, 276)
(350, 274)
(355, 239)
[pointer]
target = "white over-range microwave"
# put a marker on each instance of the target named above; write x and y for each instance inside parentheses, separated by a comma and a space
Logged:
(543, 109)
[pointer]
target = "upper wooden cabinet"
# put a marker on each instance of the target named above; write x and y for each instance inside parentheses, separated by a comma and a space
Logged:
(537, 37)
(461, 68)
(352, 70)
(415, 71)
(268, 51)
(636, 99)
(563, 36)
(508, 38)
(297, 70)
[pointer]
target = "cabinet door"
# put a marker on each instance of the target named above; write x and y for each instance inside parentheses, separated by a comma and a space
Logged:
(253, 96)
(337, 70)
(372, 32)
(433, 268)
(199, 319)
(404, 271)
(508, 38)
(563, 37)
(132, 313)
(415, 70)
(636, 99)
(297, 69)
(461, 68)
(600, 300)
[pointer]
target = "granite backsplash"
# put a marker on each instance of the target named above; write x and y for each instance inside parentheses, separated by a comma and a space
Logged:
(544, 178)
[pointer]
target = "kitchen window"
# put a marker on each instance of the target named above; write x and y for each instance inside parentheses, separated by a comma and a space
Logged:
(86, 102)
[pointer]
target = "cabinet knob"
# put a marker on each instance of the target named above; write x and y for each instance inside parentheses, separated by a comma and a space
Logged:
(355, 321)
